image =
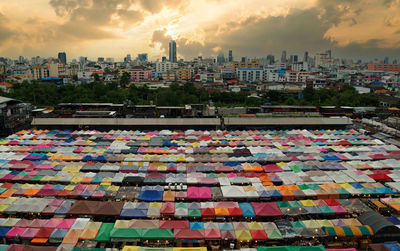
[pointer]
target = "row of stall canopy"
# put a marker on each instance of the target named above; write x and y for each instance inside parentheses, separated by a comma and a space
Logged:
(70, 231)
(200, 178)
(218, 167)
(62, 208)
(67, 247)
(150, 193)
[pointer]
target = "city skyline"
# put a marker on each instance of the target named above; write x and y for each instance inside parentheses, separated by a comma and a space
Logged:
(352, 29)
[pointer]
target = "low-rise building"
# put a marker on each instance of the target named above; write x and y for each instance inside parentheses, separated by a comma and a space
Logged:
(139, 73)
(165, 66)
(184, 74)
(39, 72)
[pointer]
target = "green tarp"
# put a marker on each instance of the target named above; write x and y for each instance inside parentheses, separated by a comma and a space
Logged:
(348, 231)
(330, 231)
(104, 232)
(274, 234)
(157, 234)
(141, 234)
(125, 233)
(326, 210)
(194, 213)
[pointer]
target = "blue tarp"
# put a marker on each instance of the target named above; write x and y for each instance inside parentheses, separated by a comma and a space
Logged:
(4, 231)
(196, 225)
(224, 226)
(151, 195)
(58, 234)
(247, 209)
(134, 213)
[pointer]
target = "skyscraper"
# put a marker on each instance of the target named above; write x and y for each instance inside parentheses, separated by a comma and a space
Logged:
(270, 59)
(221, 58)
(305, 58)
(172, 51)
(63, 57)
(386, 60)
(329, 52)
(283, 57)
(230, 58)
(142, 57)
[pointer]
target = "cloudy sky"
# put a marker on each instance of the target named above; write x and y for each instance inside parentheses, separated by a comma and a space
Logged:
(365, 29)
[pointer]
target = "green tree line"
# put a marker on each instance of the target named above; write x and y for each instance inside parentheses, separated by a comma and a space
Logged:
(49, 94)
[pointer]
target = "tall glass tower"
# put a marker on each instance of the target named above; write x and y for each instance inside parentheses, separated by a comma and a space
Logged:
(172, 51)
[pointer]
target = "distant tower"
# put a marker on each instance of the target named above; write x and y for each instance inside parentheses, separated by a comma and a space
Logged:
(172, 51)
(386, 60)
(270, 59)
(305, 58)
(230, 58)
(283, 57)
(63, 57)
(329, 52)
(243, 60)
(142, 57)
(295, 59)
(221, 58)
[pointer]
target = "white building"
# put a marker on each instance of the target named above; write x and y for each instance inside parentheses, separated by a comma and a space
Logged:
(300, 66)
(270, 75)
(165, 66)
(84, 74)
(250, 74)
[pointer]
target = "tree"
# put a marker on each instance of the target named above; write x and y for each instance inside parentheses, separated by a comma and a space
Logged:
(125, 79)
(96, 77)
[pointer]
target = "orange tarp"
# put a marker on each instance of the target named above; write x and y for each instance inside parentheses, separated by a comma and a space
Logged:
(221, 211)
(72, 236)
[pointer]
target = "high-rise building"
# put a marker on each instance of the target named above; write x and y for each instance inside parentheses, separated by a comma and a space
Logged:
(270, 59)
(386, 60)
(164, 59)
(329, 52)
(283, 57)
(82, 60)
(142, 57)
(295, 59)
(172, 51)
(56, 68)
(221, 58)
(101, 59)
(230, 58)
(243, 60)
(63, 57)
(305, 58)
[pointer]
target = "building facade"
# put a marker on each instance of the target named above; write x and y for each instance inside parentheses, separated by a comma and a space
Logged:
(39, 72)
(384, 67)
(165, 66)
(140, 73)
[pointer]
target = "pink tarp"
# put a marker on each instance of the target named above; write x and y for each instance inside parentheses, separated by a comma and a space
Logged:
(202, 193)
(174, 224)
(15, 232)
(266, 209)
